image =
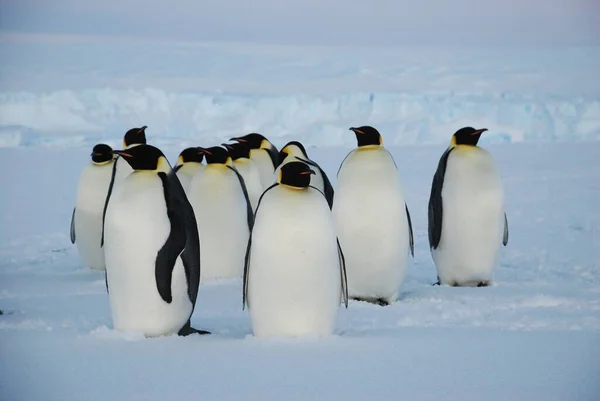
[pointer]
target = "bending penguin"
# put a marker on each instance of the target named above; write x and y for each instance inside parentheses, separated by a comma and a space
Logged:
(152, 249)
(224, 215)
(189, 163)
(133, 137)
(466, 215)
(86, 220)
(372, 220)
(294, 275)
(263, 153)
(294, 150)
(240, 155)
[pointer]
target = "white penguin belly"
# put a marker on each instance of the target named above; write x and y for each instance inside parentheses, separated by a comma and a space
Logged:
(136, 228)
(294, 283)
(89, 207)
(473, 219)
(248, 170)
(265, 166)
(221, 213)
(316, 180)
(372, 226)
(187, 172)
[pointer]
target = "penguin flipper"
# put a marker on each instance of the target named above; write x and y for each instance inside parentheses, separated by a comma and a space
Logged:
(187, 329)
(73, 227)
(106, 281)
(343, 273)
(411, 240)
(249, 211)
(505, 236)
(328, 188)
(248, 251)
(109, 192)
(274, 155)
(435, 209)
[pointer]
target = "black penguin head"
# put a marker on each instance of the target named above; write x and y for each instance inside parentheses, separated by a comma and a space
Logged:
(215, 155)
(293, 148)
(295, 174)
(102, 153)
(367, 136)
(237, 150)
(190, 155)
(135, 136)
(467, 136)
(145, 157)
(254, 141)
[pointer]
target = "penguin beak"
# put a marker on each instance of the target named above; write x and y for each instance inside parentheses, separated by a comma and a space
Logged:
(479, 131)
(238, 140)
(228, 146)
(356, 131)
(204, 151)
(122, 153)
(142, 129)
(307, 172)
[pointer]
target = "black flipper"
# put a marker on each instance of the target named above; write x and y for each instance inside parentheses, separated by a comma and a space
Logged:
(176, 168)
(274, 155)
(505, 236)
(343, 274)
(328, 188)
(248, 251)
(73, 227)
(411, 240)
(249, 211)
(187, 329)
(183, 240)
(435, 202)
(110, 188)
(106, 281)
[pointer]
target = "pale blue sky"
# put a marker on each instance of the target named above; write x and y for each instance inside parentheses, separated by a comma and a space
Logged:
(316, 21)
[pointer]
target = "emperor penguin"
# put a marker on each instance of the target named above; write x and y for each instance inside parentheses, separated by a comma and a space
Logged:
(189, 163)
(263, 153)
(372, 220)
(240, 154)
(223, 213)
(152, 249)
(294, 150)
(86, 220)
(133, 137)
(294, 275)
(466, 215)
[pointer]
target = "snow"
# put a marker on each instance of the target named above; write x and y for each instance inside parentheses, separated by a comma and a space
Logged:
(91, 91)
(533, 335)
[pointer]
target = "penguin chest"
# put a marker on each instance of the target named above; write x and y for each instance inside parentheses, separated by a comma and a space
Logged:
(265, 166)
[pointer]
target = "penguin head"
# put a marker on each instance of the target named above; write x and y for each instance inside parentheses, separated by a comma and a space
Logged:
(292, 148)
(145, 158)
(237, 150)
(254, 141)
(102, 154)
(295, 174)
(135, 136)
(190, 155)
(367, 136)
(215, 155)
(467, 136)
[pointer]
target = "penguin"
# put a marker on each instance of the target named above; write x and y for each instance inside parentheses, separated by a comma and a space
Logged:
(466, 217)
(240, 154)
(294, 150)
(372, 220)
(189, 163)
(152, 249)
(86, 219)
(263, 153)
(133, 137)
(223, 213)
(294, 273)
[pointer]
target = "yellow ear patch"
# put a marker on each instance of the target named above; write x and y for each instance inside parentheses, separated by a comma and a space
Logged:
(229, 161)
(162, 164)
(179, 160)
(453, 141)
(279, 177)
(265, 144)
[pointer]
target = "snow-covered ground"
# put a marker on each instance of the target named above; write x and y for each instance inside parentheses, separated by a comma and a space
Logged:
(534, 335)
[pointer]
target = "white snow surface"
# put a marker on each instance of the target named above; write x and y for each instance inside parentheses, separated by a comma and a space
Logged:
(534, 335)
(94, 91)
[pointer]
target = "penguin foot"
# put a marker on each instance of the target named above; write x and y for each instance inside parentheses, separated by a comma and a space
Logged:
(436, 283)
(483, 284)
(376, 301)
(188, 329)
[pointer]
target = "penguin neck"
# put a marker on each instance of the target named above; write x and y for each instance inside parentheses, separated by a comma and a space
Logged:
(369, 147)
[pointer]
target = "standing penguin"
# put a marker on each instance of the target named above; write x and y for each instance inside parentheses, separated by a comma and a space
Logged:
(133, 137)
(372, 220)
(224, 215)
(263, 153)
(86, 220)
(240, 154)
(189, 163)
(466, 216)
(294, 150)
(152, 249)
(294, 276)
